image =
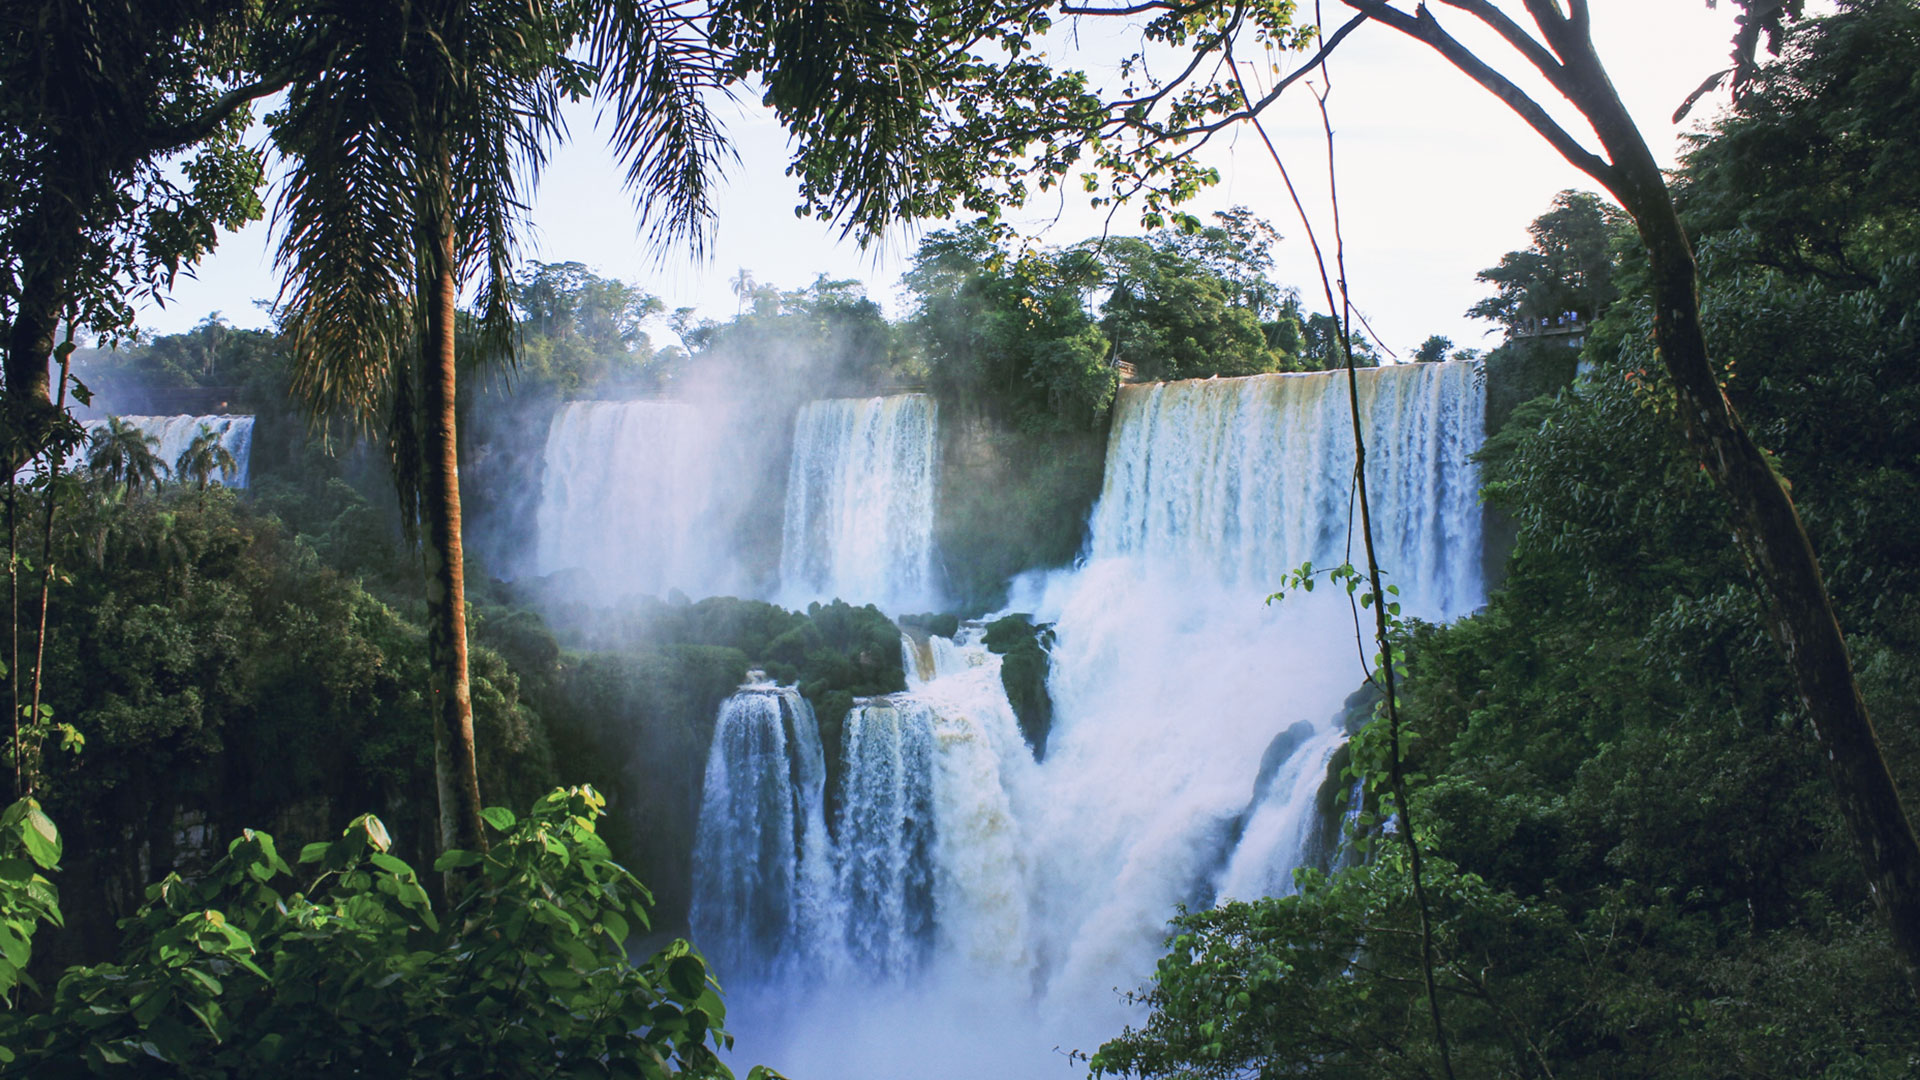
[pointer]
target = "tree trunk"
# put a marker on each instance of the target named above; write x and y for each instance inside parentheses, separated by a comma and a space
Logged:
(1765, 525)
(455, 766)
(1800, 613)
(30, 414)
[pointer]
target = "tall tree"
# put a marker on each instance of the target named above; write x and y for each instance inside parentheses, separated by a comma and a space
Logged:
(121, 158)
(1766, 526)
(204, 458)
(410, 154)
(1567, 268)
(126, 457)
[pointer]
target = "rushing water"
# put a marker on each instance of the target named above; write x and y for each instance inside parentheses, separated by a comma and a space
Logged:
(860, 497)
(632, 492)
(762, 845)
(985, 911)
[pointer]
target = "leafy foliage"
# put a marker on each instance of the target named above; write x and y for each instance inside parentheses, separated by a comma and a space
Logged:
(220, 672)
(249, 968)
(580, 332)
(1568, 267)
(29, 844)
(1639, 869)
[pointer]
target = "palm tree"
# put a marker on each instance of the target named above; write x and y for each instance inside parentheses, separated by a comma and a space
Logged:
(125, 456)
(409, 155)
(205, 456)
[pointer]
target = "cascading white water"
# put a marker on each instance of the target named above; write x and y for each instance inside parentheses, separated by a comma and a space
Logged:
(172, 435)
(762, 851)
(1248, 478)
(176, 434)
(859, 511)
(1171, 678)
(632, 493)
(885, 835)
(1281, 822)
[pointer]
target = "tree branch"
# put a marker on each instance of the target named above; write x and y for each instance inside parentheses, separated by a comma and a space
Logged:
(186, 133)
(1425, 29)
(1515, 34)
(1131, 9)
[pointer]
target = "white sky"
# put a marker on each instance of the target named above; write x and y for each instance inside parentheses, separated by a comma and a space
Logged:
(1437, 180)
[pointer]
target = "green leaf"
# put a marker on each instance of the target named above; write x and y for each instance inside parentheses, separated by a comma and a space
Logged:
(42, 839)
(499, 817)
(687, 975)
(391, 864)
(457, 860)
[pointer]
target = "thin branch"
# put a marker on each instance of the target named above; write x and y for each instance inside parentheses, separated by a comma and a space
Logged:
(1319, 59)
(46, 572)
(1200, 55)
(188, 132)
(1131, 9)
(13, 622)
(1424, 28)
(1516, 35)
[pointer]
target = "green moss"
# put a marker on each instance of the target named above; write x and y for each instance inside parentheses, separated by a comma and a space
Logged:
(1009, 501)
(1023, 672)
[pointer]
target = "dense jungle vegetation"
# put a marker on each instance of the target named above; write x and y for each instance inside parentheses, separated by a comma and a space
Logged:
(1634, 860)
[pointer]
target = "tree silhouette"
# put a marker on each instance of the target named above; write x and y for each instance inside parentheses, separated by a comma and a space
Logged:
(126, 457)
(203, 458)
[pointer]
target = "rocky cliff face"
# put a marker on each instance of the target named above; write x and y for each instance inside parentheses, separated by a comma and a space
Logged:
(1009, 501)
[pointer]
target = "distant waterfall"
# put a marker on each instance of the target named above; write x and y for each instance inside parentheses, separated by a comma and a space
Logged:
(762, 849)
(631, 493)
(174, 434)
(924, 854)
(860, 497)
(1171, 675)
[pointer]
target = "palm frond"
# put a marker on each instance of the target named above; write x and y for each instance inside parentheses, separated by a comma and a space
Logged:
(657, 70)
(346, 216)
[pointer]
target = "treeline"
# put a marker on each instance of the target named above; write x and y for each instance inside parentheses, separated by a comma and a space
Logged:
(1042, 336)
(1634, 863)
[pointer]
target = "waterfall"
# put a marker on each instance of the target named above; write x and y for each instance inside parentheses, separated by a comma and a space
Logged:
(860, 496)
(885, 834)
(762, 845)
(1171, 676)
(925, 853)
(176, 433)
(1279, 831)
(173, 435)
(631, 493)
(1248, 478)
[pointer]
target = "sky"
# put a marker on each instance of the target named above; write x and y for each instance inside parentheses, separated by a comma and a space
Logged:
(1436, 181)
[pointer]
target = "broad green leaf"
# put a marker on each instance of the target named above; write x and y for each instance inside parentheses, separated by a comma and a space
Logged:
(42, 839)
(687, 975)
(457, 860)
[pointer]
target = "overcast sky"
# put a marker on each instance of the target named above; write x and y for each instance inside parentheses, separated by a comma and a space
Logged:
(1437, 180)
